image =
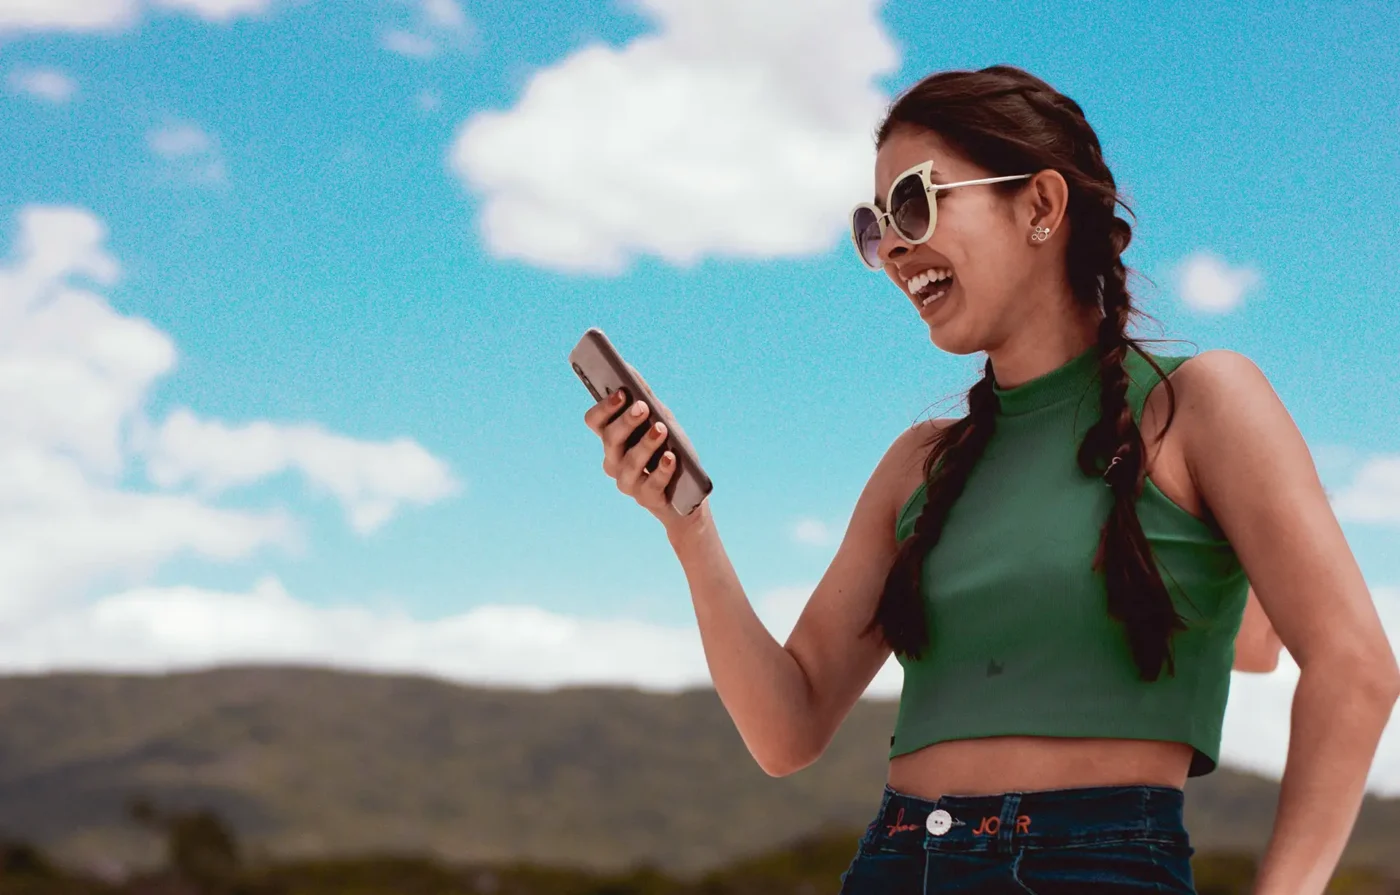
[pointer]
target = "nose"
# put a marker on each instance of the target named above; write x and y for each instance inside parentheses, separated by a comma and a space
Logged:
(892, 246)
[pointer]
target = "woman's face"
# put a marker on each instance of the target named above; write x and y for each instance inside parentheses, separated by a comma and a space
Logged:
(977, 237)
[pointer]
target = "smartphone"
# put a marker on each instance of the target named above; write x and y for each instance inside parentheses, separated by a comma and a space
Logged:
(603, 371)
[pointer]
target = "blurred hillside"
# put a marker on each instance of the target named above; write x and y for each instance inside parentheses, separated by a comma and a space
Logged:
(309, 764)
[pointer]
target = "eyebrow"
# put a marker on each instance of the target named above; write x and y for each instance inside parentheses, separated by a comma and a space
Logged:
(933, 175)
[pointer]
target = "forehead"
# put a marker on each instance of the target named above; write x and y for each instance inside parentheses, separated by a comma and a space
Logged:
(909, 146)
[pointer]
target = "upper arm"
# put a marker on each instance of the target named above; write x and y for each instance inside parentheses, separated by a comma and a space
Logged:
(1257, 645)
(1254, 472)
(828, 641)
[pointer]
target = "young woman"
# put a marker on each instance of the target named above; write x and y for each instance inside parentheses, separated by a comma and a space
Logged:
(1063, 571)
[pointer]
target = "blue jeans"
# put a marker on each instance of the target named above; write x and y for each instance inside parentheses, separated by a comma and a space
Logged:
(1118, 839)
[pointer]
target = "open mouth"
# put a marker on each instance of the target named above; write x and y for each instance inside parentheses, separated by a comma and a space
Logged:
(931, 285)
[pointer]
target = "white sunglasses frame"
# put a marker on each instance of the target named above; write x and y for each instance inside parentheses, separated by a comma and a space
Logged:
(924, 170)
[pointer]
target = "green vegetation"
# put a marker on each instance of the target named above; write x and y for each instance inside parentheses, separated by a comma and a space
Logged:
(202, 857)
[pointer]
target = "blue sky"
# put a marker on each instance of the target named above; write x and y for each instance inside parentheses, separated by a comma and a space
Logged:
(349, 245)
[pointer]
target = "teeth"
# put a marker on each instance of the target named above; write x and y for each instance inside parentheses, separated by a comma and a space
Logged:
(937, 293)
(919, 281)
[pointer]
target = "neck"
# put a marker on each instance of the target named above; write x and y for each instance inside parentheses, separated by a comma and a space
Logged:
(1045, 342)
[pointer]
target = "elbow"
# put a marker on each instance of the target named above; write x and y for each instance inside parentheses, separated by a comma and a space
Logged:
(1258, 658)
(793, 757)
(1382, 679)
(783, 768)
(1374, 677)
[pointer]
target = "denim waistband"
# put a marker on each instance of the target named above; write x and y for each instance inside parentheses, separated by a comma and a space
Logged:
(1011, 821)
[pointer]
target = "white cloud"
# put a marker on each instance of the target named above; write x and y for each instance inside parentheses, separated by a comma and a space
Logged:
(116, 15)
(408, 44)
(47, 84)
(428, 101)
(370, 479)
(179, 141)
(74, 380)
(438, 24)
(1206, 283)
(446, 15)
(1374, 492)
(74, 375)
(677, 144)
(814, 532)
(160, 629)
(220, 11)
(191, 154)
(68, 15)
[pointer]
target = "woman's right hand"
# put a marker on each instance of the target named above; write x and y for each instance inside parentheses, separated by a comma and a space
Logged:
(627, 465)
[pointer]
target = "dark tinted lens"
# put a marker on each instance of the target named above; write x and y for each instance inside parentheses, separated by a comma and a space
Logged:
(865, 228)
(909, 208)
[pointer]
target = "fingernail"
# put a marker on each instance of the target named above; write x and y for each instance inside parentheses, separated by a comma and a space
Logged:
(659, 428)
(637, 409)
(617, 396)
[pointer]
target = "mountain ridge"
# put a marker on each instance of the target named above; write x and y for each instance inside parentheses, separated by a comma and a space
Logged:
(311, 761)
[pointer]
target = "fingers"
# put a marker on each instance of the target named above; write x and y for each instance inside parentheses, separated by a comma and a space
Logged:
(600, 413)
(629, 448)
(621, 434)
(653, 488)
(632, 465)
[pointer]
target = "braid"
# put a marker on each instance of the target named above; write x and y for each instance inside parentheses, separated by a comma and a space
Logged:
(1114, 449)
(954, 452)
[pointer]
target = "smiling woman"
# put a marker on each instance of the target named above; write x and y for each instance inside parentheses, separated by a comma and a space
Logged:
(1063, 572)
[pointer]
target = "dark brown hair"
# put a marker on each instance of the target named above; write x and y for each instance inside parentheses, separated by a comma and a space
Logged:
(1010, 122)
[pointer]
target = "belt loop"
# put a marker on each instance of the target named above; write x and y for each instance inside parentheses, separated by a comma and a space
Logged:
(1010, 808)
(1149, 822)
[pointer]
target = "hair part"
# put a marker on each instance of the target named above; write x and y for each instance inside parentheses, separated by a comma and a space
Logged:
(1009, 122)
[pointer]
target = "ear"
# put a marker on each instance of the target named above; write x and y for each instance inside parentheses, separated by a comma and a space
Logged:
(1045, 201)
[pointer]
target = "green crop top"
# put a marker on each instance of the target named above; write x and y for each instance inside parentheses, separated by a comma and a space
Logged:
(1021, 642)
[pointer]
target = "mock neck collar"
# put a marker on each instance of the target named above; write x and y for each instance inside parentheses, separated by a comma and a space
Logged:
(1069, 381)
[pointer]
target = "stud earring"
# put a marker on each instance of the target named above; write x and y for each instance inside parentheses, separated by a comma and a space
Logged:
(1040, 234)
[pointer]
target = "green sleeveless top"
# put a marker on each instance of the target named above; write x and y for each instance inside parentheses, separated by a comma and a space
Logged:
(1021, 642)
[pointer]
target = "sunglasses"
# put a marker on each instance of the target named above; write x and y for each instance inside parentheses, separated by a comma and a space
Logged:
(913, 210)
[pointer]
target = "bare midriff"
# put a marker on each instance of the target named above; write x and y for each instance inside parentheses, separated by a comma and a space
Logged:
(995, 765)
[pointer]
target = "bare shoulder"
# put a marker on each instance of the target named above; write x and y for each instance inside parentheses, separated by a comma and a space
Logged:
(1222, 394)
(1220, 375)
(1192, 419)
(904, 461)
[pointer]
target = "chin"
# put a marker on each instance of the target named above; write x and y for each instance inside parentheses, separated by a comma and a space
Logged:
(953, 341)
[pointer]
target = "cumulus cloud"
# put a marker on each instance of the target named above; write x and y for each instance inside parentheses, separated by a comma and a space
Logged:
(74, 375)
(1373, 494)
(406, 43)
(68, 15)
(428, 101)
(174, 628)
(190, 153)
(221, 11)
(74, 380)
(813, 532)
(678, 144)
(115, 15)
(437, 25)
(1206, 283)
(46, 84)
(370, 480)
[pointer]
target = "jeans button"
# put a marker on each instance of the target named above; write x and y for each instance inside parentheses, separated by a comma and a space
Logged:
(939, 822)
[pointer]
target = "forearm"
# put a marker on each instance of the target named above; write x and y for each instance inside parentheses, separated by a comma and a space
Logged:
(1337, 720)
(760, 683)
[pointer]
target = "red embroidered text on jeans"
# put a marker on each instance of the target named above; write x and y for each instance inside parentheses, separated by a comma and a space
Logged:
(899, 826)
